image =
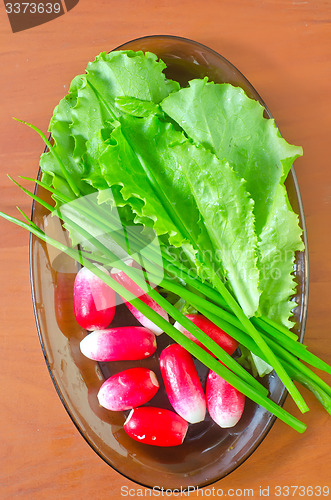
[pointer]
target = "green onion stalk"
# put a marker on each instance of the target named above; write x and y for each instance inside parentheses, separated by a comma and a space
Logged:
(222, 317)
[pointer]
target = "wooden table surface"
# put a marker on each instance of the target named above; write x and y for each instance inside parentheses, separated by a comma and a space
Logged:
(283, 48)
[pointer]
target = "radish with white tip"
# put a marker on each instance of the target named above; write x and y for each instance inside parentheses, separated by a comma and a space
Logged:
(156, 426)
(225, 403)
(130, 285)
(119, 344)
(182, 383)
(128, 389)
(221, 338)
(94, 301)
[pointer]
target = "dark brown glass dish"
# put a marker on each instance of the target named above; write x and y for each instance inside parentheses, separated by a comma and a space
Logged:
(208, 453)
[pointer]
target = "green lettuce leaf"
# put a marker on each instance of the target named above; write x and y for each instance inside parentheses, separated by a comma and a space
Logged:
(253, 363)
(225, 120)
(279, 240)
(133, 75)
(90, 107)
(128, 73)
(88, 116)
(136, 107)
(94, 148)
(64, 145)
(189, 195)
(139, 159)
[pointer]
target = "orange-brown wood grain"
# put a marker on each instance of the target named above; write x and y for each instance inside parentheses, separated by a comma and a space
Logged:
(283, 48)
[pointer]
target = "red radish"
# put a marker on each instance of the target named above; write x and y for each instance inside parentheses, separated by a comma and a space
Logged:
(128, 389)
(156, 426)
(182, 383)
(225, 403)
(214, 332)
(118, 344)
(124, 280)
(94, 301)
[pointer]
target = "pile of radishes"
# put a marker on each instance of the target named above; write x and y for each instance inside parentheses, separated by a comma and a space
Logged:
(94, 306)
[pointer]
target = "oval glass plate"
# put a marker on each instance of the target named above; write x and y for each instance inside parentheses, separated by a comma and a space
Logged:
(208, 453)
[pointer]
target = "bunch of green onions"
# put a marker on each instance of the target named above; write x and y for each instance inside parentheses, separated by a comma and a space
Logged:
(273, 343)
